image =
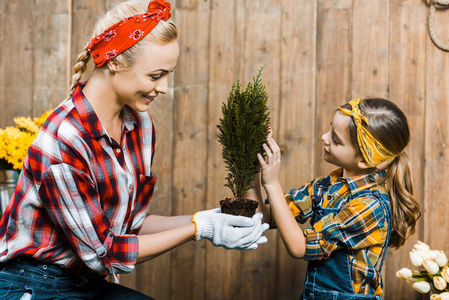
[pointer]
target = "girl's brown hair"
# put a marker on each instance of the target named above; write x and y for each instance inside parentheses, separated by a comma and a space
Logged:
(164, 32)
(388, 124)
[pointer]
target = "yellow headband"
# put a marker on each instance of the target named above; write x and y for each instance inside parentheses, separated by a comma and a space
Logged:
(373, 151)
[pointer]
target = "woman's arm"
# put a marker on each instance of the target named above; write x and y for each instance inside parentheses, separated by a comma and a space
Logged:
(291, 233)
(155, 244)
(156, 223)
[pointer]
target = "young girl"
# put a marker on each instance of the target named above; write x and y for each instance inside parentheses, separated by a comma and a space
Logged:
(80, 207)
(357, 211)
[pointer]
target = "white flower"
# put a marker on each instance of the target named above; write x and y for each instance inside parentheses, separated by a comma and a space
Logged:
(443, 296)
(415, 258)
(445, 274)
(431, 266)
(424, 254)
(434, 253)
(439, 283)
(412, 280)
(421, 246)
(441, 259)
(404, 273)
(422, 286)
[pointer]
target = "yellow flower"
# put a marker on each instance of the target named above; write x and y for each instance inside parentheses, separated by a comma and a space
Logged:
(26, 124)
(39, 121)
(15, 141)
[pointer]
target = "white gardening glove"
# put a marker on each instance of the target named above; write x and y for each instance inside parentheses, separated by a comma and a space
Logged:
(228, 231)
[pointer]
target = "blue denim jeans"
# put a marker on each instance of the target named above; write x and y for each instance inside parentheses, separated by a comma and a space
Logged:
(26, 279)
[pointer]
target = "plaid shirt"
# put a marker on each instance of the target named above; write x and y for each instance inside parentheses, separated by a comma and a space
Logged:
(360, 226)
(81, 197)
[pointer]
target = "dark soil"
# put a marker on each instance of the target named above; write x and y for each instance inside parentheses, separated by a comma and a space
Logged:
(239, 207)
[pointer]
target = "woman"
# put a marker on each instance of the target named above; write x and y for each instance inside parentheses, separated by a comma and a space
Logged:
(79, 210)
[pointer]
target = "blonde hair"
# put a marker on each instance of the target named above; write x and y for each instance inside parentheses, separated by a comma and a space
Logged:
(164, 32)
(388, 124)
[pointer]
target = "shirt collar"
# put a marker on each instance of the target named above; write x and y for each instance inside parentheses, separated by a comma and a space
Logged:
(90, 119)
(357, 183)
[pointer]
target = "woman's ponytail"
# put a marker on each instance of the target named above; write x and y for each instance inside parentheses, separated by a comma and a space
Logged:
(79, 68)
(404, 207)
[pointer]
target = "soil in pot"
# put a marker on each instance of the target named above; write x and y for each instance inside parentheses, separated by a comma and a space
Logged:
(239, 207)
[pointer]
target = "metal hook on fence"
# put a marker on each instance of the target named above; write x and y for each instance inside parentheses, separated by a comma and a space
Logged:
(433, 4)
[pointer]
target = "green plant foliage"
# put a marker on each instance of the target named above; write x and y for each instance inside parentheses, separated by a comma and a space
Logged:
(242, 131)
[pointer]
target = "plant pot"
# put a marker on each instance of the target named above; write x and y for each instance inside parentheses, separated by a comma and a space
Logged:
(239, 207)
(8, 182)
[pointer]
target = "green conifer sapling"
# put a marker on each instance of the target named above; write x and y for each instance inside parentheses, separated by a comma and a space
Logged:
(242, 131)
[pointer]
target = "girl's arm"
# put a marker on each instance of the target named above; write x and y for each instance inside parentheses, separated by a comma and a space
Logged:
(291, 233)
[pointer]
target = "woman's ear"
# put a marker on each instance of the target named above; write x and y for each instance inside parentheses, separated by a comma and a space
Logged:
(113, 66)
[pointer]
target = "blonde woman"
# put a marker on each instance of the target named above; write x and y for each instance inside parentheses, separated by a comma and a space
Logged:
(79, 211)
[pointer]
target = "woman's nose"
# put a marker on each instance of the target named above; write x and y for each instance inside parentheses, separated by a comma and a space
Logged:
(162, 86)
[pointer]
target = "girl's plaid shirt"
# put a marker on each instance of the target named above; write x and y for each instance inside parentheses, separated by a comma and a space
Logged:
(360, 225)
(81, 197)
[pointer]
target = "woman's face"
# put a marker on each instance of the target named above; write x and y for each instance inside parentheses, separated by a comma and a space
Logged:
(138, 85)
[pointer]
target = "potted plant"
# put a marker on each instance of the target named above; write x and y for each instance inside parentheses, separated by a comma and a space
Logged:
(242, 131)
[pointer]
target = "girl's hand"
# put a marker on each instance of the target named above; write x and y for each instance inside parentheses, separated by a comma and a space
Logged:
(271, 168)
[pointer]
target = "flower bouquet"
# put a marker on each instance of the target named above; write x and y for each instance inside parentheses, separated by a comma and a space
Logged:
(433, 275)
(15, 141)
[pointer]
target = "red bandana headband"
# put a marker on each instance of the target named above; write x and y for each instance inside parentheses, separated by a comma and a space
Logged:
(126, 33)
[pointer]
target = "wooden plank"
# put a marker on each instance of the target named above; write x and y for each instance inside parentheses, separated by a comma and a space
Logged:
(436, 143)
(51, 28)
(190, 146)
(17, 60)
(408, 38)
(262, 46)
(370, 46)
(84, 15)
(296, 117)
(334, 66)
(227, 34)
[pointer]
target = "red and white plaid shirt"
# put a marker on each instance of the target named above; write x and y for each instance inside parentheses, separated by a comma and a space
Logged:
(81, 197)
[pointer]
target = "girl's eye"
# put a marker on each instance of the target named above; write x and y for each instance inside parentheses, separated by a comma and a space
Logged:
(335, 140)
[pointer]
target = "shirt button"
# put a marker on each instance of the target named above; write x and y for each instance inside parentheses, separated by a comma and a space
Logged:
(130, 186)
(118, 150)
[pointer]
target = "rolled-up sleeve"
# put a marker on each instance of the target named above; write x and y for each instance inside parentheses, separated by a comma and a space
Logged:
(361, 223)
(300, 202)
(72, 202)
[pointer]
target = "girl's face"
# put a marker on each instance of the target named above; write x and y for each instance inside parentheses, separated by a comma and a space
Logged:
(138, 85)
(338, 149)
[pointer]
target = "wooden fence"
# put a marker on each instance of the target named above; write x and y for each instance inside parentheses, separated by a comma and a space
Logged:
(317, 54)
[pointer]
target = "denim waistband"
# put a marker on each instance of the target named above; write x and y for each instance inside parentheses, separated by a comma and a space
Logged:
(24, 269)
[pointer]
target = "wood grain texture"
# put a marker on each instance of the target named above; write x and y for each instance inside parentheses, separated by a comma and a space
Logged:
(317, 55)
(407, 81)
(296, 122)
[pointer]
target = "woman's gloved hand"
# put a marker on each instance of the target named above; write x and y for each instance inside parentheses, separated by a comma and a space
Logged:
(228, 231)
